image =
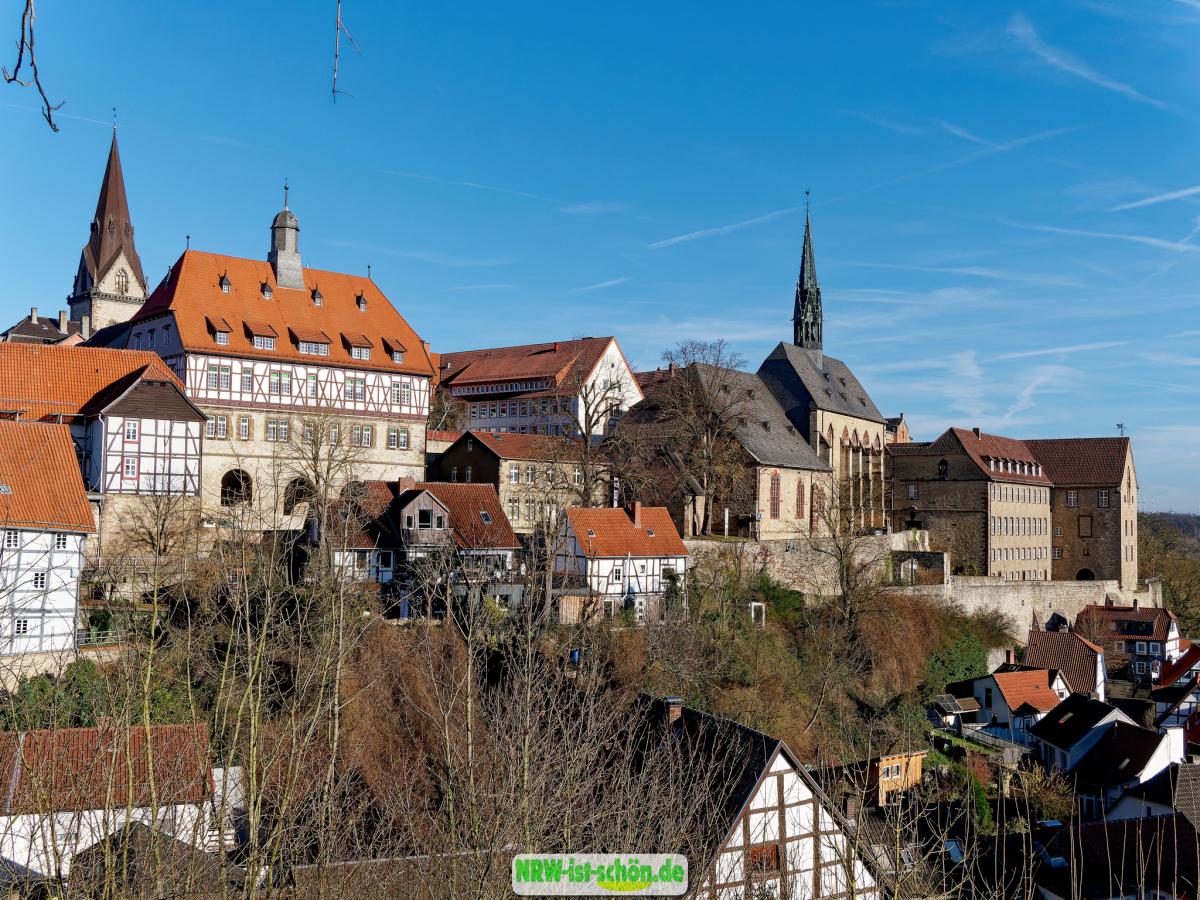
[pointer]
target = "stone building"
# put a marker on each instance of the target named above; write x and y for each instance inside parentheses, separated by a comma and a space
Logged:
(829, 406)
(290, 364)
(1094, 506)
(983, 498)
(109, 285)
(556, 388)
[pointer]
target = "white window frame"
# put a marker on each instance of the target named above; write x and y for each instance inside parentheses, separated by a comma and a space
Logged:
(131, 430)
(129, 467)
(243, 428)
(264, 342)
(221, 337)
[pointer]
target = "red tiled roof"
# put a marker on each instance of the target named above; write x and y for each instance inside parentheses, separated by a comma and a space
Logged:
(1172, 672)
(609, 532)
(541, 447)
(39, 468)
(191, 291)
(41, 381)
(1083, 462)
(1105, 621)
(465, 503)
(1073, 655)
(1031, 687)
(75, 769)
(447, 437)
(982, 447)
(554, 360)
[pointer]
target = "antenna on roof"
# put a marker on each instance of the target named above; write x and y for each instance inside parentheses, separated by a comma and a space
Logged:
(1121, 428)
(368, 270)
(188, 240)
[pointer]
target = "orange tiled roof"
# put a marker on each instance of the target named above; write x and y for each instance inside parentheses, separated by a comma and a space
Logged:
(984, 446)
(1030, 687)
(191, 291)
(554, 360)
(446, 437)
(1172, 672)
(465, 502)
(612, 532)
(39, 468)
(1073, 655)
(542, 447)
(1107, 621)
(39, 381)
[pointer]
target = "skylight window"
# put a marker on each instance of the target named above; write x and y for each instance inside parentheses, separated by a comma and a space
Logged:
(591, 532)
(317, 297)
(224, 283)
(649, 532)
(486, 516)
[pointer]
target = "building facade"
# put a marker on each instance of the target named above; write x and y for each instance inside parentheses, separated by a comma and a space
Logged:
(292, 366)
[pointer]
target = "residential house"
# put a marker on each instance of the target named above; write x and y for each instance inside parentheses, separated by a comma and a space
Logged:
(67, 789)
(983, 498)
(1094, 506)
(535, 476)
(45, 520)
(1125, 756)
(1146, 638)
(35, 329)
(773, 487)
(626, 558)
(1066, 733)
(896, 430)
(881, 780)
(1176, 789)
(1013, 698)
(776, 833)
(1080, 661)
(135, 433)
(288, 362)
(436, 443)
(561, 388)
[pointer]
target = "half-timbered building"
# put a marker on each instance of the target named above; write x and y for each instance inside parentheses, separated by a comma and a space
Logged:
(279, 356)
(44, 521)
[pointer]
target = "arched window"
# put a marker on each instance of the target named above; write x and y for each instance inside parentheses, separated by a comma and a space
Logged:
(800, 501)
(775, 491)
(236, 488)
(943, 470)
(298, 490)
(122, 281)
(818, 506)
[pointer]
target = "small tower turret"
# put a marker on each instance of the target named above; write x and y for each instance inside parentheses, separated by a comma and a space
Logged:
(285, 247)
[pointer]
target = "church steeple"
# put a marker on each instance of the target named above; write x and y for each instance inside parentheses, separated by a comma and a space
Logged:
(285, 247)
(109, 284)
(807, 318)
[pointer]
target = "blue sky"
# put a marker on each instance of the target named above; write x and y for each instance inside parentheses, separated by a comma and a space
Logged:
(1002, 227)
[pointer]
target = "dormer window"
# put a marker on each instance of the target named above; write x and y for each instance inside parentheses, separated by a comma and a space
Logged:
(397, 356)
(225, 283)
(221, 337)
(266, 290)
(591, 532)
(263, 342)
(649, 532)
(317, 297)
(360, 352)
(361, 302)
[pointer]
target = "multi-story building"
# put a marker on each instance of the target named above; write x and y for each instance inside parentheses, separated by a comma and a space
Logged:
(135, 433)
(535, 475)
(44, 521)
(1094, 505)
(289, 364)
(36, 329)
(983, 498)
(829, 406)
(109, 284)
(556, 388)
(1145, 638)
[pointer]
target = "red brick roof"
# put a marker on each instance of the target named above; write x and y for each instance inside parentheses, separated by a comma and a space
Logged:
(609, 532)
(1083, 462)
(446, 437)
(39, 468)
(103, 768)
(1172, 672)
(1034, 687)
(41, 381)
(192, 292)
(465, 503)
(555, 360)
(541, 447)
(1107, 621)
(1073, 655)
(982, 447)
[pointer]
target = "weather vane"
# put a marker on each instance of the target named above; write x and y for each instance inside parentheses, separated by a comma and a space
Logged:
(1121, 428)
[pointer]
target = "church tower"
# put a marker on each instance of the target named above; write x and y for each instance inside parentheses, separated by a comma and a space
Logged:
(284, 255)
(807, 319)
(109, 284)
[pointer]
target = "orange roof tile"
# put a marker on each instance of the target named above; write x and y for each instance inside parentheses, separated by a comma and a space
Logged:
(465, 502)
(541, 447)
(1172, 672)
(554, 360)
(1032, 687)
(39, 468)
(446, 437)
(40, 381)
(191, 291)
(610, 532)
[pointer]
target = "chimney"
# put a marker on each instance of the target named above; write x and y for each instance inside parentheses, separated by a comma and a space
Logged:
(850, 807)
(33, 315)
(556, 346)
(976, 431)
(62, 321)
(636, 514)
(85, 326)
(674, 711)
(1010, 655)
(671, 369)
(405, 484)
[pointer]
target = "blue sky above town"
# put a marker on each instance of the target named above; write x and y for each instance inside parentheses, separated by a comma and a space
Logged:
(1005, 200)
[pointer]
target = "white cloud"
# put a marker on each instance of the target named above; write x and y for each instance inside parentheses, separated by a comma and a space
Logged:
(880, 121)
(964, 134)
(1022, 30)
(1060, 351)
(594, 208)
(612, 282)
(723, 229)
(984, 272)
(1159, 243)
(1158, 198)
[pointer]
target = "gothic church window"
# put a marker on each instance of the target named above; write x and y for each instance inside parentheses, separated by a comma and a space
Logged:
(122, 281)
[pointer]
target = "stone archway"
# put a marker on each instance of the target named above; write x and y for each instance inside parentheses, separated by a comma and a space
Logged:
(1085, 575)
(236, 487)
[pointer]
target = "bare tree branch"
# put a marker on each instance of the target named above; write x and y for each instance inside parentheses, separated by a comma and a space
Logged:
(25, 45)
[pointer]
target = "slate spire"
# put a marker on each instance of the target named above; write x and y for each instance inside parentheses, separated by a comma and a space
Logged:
(112, 227)
(807, 318)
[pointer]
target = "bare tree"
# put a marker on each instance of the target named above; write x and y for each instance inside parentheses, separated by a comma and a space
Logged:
(26, 55)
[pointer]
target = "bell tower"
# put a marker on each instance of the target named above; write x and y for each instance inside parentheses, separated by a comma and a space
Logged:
(284, 255)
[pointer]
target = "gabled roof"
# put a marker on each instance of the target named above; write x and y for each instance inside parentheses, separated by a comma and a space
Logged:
(40, 483)
(467, 504)
(1152, 623)
(980, 448)
(1030, 687)
(535, 447)
(44, 331)
(1068, 722)
(1176, 786)
(797, 376)
(445, 437)
(604, 532)
(1172, 672)
(1118, 757)
(192, 292)
(41, 381)
(112, 227)
(1083, 462)
(76, 769)
(554, 360)
(1072, 654)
